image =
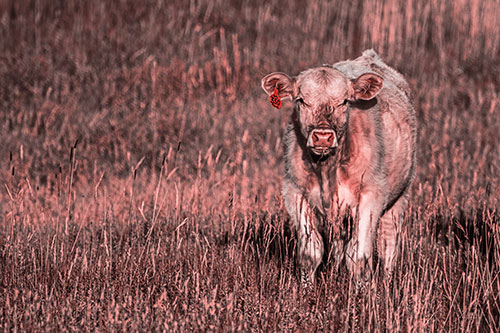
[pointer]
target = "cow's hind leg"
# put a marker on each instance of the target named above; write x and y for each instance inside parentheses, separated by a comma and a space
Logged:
(388, 232)
(310, 243)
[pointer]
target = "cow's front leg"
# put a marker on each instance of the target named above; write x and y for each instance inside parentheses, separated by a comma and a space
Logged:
(360, 247)
(310, 243)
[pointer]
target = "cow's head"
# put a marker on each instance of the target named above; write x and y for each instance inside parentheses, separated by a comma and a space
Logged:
(321, 98)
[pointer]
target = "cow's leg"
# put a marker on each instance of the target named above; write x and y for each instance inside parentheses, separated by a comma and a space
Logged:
(389, 228)
(310, 244)
(360, 247)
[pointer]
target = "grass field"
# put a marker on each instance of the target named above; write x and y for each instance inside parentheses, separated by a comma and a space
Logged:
(141, 166)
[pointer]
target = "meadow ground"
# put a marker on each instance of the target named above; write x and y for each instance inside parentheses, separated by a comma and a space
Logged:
(141, 166)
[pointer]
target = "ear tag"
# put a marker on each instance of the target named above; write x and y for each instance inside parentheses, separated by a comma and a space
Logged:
(275, 99)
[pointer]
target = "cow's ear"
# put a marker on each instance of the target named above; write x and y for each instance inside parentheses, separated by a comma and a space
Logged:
(282, 82)
(366, 86)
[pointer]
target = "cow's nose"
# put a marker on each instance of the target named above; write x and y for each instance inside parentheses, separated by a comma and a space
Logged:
(323, 138)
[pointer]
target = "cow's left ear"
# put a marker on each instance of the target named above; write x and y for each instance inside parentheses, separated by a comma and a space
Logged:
(279, 81)
(366, 86)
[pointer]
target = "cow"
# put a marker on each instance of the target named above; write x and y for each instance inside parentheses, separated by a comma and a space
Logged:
(349, 151)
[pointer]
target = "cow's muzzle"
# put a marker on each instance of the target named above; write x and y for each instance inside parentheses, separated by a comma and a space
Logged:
(322, 141)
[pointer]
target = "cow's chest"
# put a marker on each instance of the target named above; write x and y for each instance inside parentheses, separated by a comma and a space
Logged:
(333, 204)
(336, 196)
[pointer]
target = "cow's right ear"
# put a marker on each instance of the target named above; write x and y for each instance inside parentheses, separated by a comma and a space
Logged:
(282, 82)
(366, 86)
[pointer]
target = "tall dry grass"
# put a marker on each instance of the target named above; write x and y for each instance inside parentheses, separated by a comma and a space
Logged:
(142, 166)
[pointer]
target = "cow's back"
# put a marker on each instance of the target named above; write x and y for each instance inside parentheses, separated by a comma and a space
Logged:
(370, 61)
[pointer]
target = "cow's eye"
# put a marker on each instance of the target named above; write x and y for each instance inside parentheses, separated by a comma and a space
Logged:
(300, 102)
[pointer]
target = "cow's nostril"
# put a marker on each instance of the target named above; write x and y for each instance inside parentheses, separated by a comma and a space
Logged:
(315, 137)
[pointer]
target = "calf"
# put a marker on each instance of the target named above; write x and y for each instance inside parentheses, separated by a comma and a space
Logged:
(349, 149)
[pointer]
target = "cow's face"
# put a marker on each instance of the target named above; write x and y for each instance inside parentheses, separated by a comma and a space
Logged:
(321, 98)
